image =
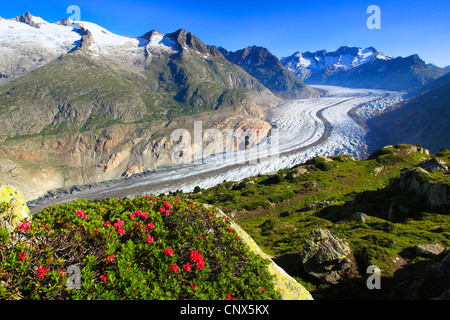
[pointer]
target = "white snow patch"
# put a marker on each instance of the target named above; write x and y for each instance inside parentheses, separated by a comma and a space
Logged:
(49, 35)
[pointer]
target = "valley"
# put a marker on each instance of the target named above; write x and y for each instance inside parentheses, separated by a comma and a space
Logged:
(305, 128)
(260, 177)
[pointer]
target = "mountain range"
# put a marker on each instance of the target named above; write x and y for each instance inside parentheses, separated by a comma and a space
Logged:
(362, 68)
(263, 65)
(79, 104)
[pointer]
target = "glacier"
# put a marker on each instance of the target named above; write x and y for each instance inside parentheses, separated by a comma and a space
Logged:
(305, 128)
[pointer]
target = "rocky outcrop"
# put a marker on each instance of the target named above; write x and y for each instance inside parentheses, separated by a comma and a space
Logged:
(419, 182)
(250, 132)
(326, 257)
(288, 287)
(433, 164)
(359, 216)
(28, 19)
(186, 40)
(434, 283)
(87, 38)
(428, 250)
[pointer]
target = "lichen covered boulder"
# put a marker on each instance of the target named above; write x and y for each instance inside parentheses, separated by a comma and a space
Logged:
(16, 209)
(326, 257)
(287, 286)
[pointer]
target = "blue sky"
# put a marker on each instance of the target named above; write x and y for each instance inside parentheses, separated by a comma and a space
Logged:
(284, 27)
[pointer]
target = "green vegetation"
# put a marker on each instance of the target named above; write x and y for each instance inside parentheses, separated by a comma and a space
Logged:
(279, 211)
(79, 93)
(265, 67)
(130, 249)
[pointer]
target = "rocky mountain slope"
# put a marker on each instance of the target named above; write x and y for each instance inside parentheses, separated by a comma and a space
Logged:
(79, 104)
(264, 66)
(362, 68)
(422, 118)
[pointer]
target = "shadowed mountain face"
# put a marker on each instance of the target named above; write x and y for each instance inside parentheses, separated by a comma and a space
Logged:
(397, 74)
(265, 67)
(422, 118)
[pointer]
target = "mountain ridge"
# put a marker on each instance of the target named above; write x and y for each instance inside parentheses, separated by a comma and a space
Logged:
(266, 67)
(100, 106)
(421, 118)
(312, 65)
(362, 68)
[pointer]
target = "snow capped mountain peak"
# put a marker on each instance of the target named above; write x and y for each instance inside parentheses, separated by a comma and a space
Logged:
(65, 22)
(307, 64)
(157, 41)
(54, 35)
(103, 37)
(31, 20)
(28, 42)
(35, 31)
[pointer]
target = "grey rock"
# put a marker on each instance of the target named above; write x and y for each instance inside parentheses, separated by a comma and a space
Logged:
(428, 250)
(359, 216)
(418, 181)
(433, 164)
(326, 257)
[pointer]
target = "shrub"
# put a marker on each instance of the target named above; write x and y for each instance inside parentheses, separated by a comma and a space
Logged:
(381, 152)
(267, 227)
(131, 249)
(275, 179)
(241, 185)
(322, 164)
(281, 196)
(390, 159)
(253, 205)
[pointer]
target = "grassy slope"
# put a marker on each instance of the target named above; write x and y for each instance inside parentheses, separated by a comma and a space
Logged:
(78, 92)
(73, 88)
(280, 211)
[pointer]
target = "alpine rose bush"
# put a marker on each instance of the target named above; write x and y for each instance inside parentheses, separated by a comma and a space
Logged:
(143, 248)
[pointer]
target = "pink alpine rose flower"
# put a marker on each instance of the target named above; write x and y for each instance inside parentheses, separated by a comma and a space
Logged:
(173, 267)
